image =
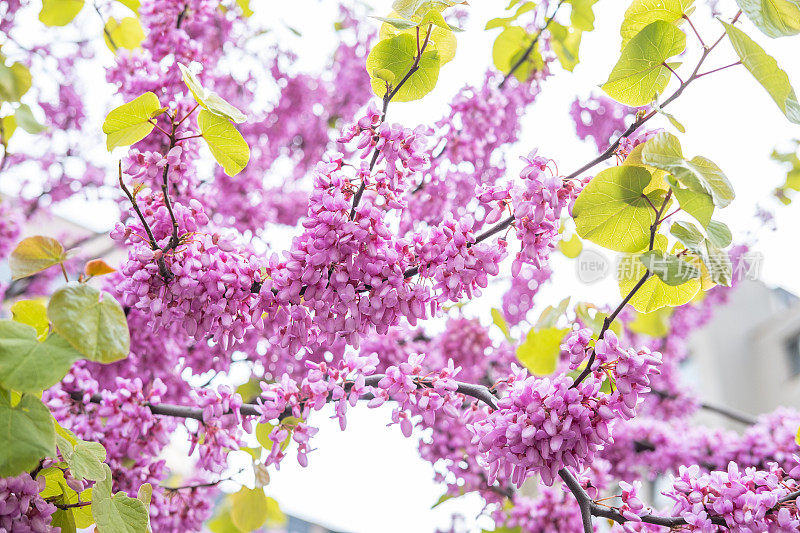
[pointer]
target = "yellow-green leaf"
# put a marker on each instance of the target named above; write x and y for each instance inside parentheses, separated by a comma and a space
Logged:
(640, 74)
(249, 509)
(776, 18)
(225, 142)
(14, 81)
(93, 322)
(655, 324)
(209, 99)
(540, 351)
(571, 247)
(26, 120)
(35, 254)
(126, 33)
(654, 293)
(59, 12)
(698, 174)
(27, 434)
(612, 211)
(642, 12)
(27, 365)
(765, 69)
(32, 313)
(510, 46)
(397, 54)
(117, 513)
(130, 123)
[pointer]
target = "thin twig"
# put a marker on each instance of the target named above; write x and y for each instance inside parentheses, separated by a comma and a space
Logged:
(530, 48)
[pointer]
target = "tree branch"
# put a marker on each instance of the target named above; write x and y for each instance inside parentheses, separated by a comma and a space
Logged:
(477, 391)
(531, 46)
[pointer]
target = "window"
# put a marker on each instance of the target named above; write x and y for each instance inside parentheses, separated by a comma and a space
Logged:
(793, 352)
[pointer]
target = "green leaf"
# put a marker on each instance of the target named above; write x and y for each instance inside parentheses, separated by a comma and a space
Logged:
(27, 434)
(765, 69)
(776, 18)
(222, 523)
(708, 249)
(655, 324)
(145, 493)
(407, 8)
(550, 314)
(654, 293)
(500, 321)
(65, 520)
(35, 254)
(209, 99)
(641, 74)
(566, 44)
(719, 234)
(130, 123)
(571, 247)
(541, 349)
(126, 33)
(225, 142)
(441, 39)
(397, 56)
(93, 322)
(670, 268)
(59, 12)
(400, 24)
(384, 74)
(15, 81)
(643, 12)
(687, 233)
(8, 125)
(26, 120)
(27, 365)
(117, 513)
(133, 5)
(85, 458)
(611, 210)
(249, 509)
(509, 47)
(698, 204)
(32, 313)
(698, 174)
(672, 120)
(244, 5)
(263, 430)
(718, 263)
(582, 16)
(55, 484)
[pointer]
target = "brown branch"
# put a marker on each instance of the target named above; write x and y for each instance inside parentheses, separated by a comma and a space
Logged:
(477, 391)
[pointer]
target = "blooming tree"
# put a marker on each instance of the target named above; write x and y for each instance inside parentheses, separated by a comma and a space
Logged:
(220, 141)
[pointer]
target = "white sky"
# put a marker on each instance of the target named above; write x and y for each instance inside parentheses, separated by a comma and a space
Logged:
(370, 478)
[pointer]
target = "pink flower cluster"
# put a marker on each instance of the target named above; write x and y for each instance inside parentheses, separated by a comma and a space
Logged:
(748, 500)
(546, 424)
(436, 392)
(600, 118)
(210, 288)
(22, 510)
(221, 429)
(10, 221)
(459, 265)
(538, 202)
(542, 426)
(343, 384)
